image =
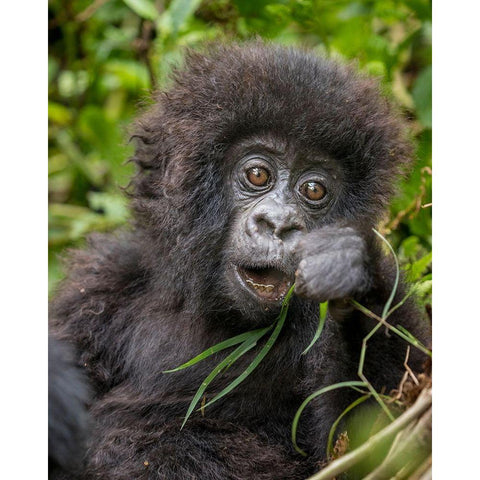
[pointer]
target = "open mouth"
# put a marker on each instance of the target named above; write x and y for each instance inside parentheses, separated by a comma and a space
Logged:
(267, 283)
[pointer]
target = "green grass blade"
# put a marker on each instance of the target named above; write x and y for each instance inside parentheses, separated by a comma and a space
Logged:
(412, 290)
(359, 390)
(321, 323)
(397, 275)
(230, 342)
(358, 401)
(263, 352)
(247, 345)
(407, 336)
(398, 331)
(335, 386)
(364, 378)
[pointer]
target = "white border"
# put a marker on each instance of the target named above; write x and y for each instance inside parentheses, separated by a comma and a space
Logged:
(23, 354)
(456, 216)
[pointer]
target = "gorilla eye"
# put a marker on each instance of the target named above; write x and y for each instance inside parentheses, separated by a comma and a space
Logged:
(313, 191)
(258, 176)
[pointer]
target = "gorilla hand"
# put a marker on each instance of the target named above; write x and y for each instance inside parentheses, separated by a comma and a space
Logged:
(332, 264)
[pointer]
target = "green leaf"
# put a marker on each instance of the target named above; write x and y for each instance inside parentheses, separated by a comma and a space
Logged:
(376, 68)
(143, 8)
(424, 288)
(263, 352)
(113, 205)
(178, 14)
(409, 247)
(418, 267)
(247, 345)
(127, 74)
(321, 323)
(57, 113)
(221, 346)
(108, 149)
(335, 386)
(422, 96)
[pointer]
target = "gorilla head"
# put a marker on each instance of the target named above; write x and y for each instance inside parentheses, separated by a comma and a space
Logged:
(251, 148)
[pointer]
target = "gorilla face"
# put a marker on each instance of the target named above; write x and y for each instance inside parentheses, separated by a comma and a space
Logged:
(280, 193)
(253, 149)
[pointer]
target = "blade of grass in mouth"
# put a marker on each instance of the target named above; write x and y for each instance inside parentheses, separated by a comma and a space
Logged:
(217, 348)
(263, 352)
(321, 324)
(247, 345)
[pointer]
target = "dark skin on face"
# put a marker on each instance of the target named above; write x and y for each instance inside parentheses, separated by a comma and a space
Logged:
(283, 197)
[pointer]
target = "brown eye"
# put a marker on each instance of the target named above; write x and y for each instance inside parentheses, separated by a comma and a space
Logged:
(313, 191)
(258, 176)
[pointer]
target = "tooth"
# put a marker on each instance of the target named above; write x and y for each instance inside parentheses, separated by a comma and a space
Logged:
(260, 286)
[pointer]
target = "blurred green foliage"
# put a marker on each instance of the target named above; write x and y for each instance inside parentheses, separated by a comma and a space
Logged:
(105, 56)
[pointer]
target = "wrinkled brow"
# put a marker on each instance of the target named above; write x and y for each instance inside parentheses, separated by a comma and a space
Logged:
(267, 143)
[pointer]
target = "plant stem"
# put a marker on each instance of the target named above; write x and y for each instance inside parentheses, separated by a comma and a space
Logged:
(341, 465)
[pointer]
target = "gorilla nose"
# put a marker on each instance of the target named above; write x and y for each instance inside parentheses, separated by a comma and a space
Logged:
(281, 222)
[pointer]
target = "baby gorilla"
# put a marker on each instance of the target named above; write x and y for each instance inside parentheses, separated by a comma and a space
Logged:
(260, 167)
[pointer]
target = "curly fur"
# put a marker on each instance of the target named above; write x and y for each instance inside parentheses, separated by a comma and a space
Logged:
(139, 302)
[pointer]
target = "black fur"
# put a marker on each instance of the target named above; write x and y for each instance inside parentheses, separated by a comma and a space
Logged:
(147, 300)
(68, 419)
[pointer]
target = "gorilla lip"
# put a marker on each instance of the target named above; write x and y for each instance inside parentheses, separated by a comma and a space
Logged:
(265, 282)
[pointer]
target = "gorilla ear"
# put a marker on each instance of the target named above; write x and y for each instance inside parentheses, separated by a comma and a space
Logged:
(150, 137)
(164, 149)
(163, 170)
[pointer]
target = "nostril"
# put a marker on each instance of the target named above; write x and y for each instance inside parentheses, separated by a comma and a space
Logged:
(265, 225)
(289, 231)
